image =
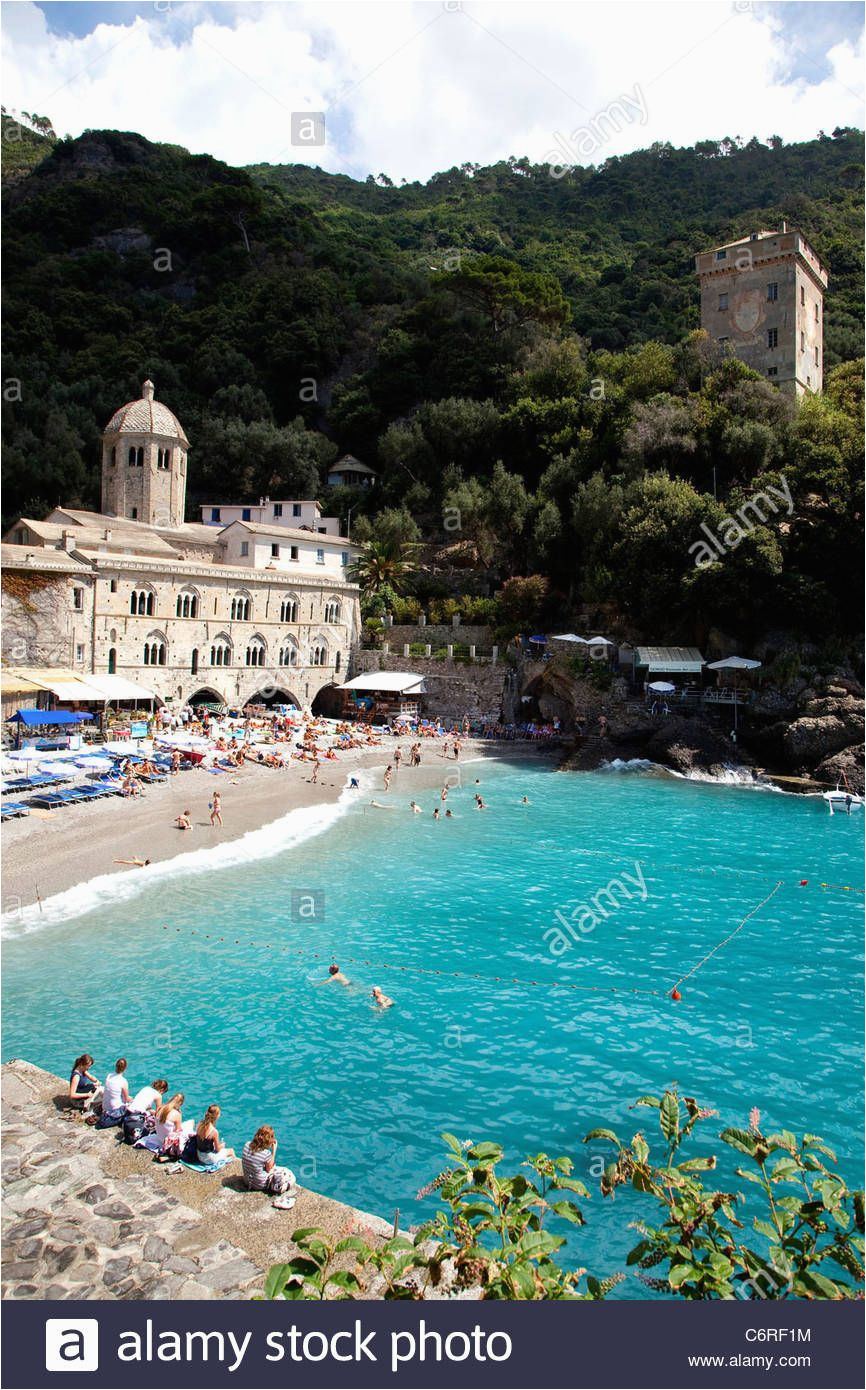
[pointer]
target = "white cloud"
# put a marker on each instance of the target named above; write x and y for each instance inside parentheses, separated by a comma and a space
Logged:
(411, 88)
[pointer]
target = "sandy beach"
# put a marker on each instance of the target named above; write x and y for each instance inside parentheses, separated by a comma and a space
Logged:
(49, 852)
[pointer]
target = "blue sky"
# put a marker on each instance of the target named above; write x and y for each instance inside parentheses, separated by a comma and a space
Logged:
(414, 86)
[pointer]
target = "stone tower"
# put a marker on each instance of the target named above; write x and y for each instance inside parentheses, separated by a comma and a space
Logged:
(762, 298)
(144, 453)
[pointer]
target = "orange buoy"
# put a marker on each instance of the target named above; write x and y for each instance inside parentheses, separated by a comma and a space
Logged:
(675, 995)
(803, 882)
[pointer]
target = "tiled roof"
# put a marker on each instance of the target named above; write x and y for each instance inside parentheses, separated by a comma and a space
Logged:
(146, 416)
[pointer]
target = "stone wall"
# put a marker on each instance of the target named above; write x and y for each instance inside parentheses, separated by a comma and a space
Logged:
(438, 635)
(454, 688)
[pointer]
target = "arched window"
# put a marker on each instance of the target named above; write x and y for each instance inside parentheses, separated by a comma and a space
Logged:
(163, 459)
(221, 652)
(114, 458)
(241, 608)
(187, 604)
(132, 458)
(112, 661)
(289, 609)
(289, 652)
(155, 650)
(319, 654)
(141, 603)
(193, 665)
(332, 611)
(255, 653)
(337, 662)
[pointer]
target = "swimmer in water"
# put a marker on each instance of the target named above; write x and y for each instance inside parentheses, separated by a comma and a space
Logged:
(449, 815)
(524, 801)
(436, 814)
(335, 977)
(382, 1000)
(415, 808)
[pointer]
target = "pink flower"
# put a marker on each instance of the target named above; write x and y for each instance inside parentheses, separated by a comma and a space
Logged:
(755, 1120)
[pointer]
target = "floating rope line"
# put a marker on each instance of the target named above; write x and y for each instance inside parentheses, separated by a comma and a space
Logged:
(422, 970)
(723, 870)
(729, 937)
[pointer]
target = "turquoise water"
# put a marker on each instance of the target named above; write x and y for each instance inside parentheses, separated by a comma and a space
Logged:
(223, 1002)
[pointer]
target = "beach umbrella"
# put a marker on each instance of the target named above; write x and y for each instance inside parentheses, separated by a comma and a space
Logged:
(662, 687)
(735, 664)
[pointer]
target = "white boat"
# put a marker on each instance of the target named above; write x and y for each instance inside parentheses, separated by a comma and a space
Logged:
(841, 799)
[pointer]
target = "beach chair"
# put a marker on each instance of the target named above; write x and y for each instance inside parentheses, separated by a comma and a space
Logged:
(106, 788)
(49, 801)
(14, 808)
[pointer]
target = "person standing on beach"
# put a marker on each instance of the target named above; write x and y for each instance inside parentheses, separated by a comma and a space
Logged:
(398, 758)
(216, 810)
(315, 777)
(387, 778)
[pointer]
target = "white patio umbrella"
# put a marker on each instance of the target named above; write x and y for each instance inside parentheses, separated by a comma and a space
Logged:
(735, 664)
(662, 687)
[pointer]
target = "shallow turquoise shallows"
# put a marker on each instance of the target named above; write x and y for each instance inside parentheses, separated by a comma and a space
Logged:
(208, 978)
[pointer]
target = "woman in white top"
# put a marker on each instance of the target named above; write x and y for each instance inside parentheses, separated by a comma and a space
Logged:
(148, 1098)
(170, 1128)
(115, 1092)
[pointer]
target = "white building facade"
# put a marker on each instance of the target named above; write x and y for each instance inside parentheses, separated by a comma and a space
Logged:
(243, 612)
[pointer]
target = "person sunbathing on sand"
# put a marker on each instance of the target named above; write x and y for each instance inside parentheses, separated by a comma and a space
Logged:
(135, 863)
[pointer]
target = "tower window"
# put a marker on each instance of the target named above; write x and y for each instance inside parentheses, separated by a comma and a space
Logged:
(132, 458)
(723, 301)
(114, 458)
(772, 337)
(773, 290)
(163, 459)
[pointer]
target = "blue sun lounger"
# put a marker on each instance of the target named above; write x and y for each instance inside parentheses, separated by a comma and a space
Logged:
(14, 808)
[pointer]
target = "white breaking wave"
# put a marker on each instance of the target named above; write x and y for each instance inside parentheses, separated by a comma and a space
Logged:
(268, 840)
(632, 765)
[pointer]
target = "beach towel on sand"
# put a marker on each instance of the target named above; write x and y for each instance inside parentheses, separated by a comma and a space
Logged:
(207, 1167)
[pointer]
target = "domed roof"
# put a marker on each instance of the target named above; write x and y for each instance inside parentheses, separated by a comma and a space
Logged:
(146, 416)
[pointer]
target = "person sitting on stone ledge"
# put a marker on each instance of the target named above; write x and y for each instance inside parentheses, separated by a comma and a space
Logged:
(83, 1086)
(259, 1160)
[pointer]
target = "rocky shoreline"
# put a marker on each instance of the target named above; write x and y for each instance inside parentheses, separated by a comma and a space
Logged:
(809, 738)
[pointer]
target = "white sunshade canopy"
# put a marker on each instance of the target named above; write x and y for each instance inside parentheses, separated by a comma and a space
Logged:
(568, 637)
(119, 688)
(662, 687)
(399, 682)
(734, 663)
(73, 690)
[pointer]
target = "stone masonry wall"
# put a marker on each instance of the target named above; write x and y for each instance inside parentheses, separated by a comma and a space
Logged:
(454, 688)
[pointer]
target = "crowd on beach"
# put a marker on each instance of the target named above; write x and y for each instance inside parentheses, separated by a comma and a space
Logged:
(152, 1119)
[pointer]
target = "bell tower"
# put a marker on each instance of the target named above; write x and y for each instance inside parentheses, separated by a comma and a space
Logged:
(144, 452)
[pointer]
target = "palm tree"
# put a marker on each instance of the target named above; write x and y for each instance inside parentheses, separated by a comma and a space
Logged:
(383, 565)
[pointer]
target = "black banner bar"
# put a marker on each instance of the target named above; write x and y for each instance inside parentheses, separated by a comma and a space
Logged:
(623, 1346)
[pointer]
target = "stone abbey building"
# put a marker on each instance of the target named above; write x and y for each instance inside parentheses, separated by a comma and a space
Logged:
(229, 609)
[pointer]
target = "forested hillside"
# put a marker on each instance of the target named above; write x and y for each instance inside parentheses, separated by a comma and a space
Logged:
(515, 354)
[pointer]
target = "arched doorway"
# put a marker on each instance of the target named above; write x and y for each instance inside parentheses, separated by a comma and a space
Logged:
(112, 661)
(328, 702)
(273, 696)
(206, 696)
